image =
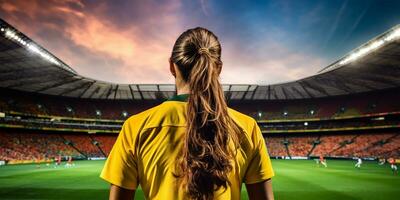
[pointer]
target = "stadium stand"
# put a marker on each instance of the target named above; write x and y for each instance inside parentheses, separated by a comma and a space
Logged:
(368, 144)
(301, 145)
(276, 146)
(69, 107)
(316, 134)
(84, 144)
(327, 143)
(105, 142)
(360, 145)
(25, 145)
(18, 145)
(323, 108)
(347, 109)
(319, 133)
(341, 106)
(22, 145)
(387, 148)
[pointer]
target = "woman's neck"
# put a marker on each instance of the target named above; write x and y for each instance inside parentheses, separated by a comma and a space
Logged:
(182, 89)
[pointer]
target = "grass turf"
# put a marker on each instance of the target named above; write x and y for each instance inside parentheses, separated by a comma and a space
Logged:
(295, 179)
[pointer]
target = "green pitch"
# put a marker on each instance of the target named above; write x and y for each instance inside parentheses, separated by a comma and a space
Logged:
(294, 180)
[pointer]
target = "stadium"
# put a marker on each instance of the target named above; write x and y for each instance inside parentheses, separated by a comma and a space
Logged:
(348, 110)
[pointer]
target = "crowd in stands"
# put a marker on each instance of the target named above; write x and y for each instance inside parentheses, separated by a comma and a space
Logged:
(36, 122)
(25, 145)
(121, 109)
(38, 104)
(340, 106)
(32, 146)
(84, 144)
(386, 148)
(328, 143)
(375, 145)
(105, 142)
(29, 145)
(361, 144)
(36, 145)
(301, 145)
(329, 124)
(276, 146)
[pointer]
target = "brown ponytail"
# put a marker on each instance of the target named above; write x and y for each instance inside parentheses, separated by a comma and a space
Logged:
(206, 155)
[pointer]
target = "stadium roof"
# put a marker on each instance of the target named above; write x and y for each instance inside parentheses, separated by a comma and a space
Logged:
(26, 66)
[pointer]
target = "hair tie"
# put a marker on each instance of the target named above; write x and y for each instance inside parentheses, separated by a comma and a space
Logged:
(203, 50)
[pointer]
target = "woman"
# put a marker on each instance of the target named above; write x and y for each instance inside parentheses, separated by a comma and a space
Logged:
(191, 146)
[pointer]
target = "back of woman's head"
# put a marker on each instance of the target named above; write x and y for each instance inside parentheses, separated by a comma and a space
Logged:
(206, 155)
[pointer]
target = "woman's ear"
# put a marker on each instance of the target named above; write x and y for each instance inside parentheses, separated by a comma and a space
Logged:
(172, 68)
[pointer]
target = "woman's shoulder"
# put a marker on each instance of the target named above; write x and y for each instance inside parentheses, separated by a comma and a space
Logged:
(250, 136)
(156, 115)
(142, 115)
(246, 122)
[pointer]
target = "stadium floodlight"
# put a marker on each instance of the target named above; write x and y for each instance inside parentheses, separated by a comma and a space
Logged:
(371, 46)
(362, 52)
(31, 46)
(43, 54)
(9, 33)
(12, 34)
(378, 119)
(305, 123)
(394, 35)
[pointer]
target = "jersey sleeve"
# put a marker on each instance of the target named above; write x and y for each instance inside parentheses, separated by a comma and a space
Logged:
(121, 166)
(259, 168)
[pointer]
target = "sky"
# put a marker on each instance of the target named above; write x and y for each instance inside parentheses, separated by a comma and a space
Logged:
(263, 42)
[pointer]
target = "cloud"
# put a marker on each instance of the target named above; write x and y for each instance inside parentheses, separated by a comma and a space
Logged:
(79, 34)
(267, 63)
(336, 22)
(130, 42)
(204, 7)
(8, 7)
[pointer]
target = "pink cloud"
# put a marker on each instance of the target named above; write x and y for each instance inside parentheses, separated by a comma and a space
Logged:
(8, 7)
(268, 64)
(101, 47)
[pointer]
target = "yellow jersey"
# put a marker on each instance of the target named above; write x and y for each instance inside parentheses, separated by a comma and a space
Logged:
(150, 142)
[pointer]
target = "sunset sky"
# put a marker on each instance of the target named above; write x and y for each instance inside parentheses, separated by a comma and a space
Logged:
(263, 42)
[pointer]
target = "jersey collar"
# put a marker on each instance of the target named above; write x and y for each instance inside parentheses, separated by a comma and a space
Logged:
(179, 97)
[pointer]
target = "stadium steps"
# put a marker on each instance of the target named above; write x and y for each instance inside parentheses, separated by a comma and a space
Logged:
(73, 146)
(287, 147)
(97, 144)
(341, 146)
(387, 140)
(389, 152)
(391, 138)
(287, 151)
(313, 147)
